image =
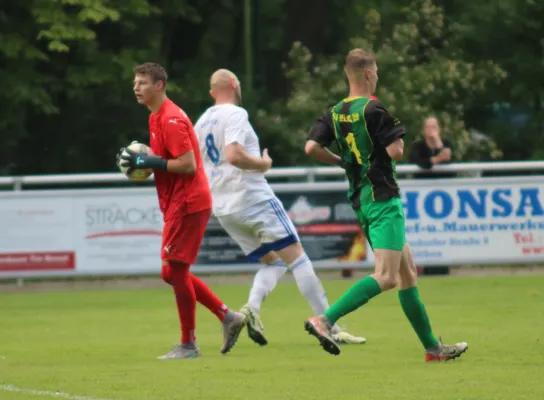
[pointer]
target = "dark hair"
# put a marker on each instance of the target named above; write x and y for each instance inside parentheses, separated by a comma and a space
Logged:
(154, 70)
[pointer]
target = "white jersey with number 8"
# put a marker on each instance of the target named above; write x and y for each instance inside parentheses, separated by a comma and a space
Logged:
(233, 189)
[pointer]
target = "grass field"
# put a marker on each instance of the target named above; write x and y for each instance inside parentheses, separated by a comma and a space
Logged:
(102, 344)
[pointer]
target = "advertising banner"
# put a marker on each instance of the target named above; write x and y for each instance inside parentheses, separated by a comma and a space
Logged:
(36, 234)
(475, 221)
(118, 231)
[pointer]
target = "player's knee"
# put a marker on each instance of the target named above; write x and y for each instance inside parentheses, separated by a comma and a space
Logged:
(408, 276)
(291, 253)
(166, 273)
(407, 281)
(411, 272)
(269, 258)
(390, 282)
(387, 268)
(387, 281)
(408, 269)
(177, 272)
(179, 266)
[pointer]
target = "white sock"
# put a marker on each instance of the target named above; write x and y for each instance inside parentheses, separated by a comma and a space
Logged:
(265, 281)
(309, 284)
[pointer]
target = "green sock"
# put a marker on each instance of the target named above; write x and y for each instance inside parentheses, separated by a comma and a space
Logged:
(415, 312)
(355, 297)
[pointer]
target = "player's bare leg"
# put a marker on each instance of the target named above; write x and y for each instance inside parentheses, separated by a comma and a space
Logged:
(265, 281)
(384, 278)
(415, 312)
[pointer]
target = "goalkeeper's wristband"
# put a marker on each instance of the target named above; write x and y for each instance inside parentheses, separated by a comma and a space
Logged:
(155, 162)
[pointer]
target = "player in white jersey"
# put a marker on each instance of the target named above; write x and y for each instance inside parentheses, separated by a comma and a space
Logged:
(248, 209)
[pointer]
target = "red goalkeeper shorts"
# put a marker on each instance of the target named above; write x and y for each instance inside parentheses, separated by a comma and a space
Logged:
(182, 237)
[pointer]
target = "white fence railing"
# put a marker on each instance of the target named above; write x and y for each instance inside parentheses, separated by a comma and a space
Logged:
(82, 231)
(308, 173)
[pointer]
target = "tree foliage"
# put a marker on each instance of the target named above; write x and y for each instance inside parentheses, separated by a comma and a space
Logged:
(419, 76)
(510, 32)
(66, 102)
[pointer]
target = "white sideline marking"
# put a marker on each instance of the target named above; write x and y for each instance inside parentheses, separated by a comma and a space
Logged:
(11, 388)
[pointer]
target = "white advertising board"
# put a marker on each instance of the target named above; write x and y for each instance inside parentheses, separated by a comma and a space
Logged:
(118, 231)
(36, 234)
(480, 221)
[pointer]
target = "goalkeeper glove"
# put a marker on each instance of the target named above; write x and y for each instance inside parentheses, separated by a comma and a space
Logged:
(139, 160)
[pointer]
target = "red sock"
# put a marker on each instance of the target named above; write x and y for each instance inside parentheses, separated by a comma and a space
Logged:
(185, 300)
(208, 299)
(166, 273)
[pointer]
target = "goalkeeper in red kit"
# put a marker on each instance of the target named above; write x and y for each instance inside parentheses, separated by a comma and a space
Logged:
(185, 201)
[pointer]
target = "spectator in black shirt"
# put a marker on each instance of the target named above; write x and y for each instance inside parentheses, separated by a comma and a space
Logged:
(426, 153)
(431, 150)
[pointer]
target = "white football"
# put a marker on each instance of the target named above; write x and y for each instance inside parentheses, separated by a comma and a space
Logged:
(137, 174)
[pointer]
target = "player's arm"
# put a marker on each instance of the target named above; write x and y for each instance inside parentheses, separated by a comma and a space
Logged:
(385, 129)
(396, 149)
(178, 144)
(184, 164)
(235, 132)
(240, 158)
(320, 137)
(177, 140)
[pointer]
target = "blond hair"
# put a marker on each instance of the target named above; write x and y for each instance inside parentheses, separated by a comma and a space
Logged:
(221, 79)
(357, 61)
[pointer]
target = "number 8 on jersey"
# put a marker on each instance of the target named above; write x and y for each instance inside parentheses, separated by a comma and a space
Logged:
(211, 149)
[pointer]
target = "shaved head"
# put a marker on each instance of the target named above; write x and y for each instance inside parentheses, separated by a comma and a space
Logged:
(222, 78)
(224, 85)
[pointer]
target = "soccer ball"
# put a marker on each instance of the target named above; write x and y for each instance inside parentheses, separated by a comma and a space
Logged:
(137, 174)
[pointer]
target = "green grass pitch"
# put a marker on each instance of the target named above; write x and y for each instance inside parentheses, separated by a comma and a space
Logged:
(102, 344)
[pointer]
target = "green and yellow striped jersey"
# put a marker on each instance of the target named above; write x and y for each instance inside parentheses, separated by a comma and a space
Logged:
(363, 129)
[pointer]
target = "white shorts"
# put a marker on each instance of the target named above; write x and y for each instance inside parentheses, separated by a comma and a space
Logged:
(261, 228)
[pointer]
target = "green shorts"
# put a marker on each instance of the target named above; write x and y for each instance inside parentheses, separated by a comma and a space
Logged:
(383, 224)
